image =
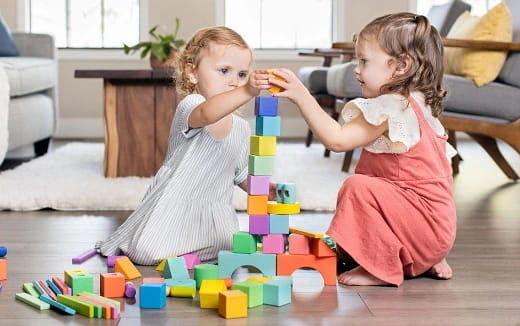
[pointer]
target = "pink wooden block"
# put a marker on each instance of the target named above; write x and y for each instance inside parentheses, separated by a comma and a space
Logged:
(259, 224)
(273, 244)
(192, 260)
(258, 185)
(298, 244)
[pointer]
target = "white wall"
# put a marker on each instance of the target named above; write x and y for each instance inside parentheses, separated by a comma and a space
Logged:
(80, 100)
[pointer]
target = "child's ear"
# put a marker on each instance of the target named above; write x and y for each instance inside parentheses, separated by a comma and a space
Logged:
(191, 73)
(403, 65)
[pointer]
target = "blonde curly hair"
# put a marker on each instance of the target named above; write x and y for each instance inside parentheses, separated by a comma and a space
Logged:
(191, 52)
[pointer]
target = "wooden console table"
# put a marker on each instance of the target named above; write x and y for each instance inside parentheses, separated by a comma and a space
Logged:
(139, 106)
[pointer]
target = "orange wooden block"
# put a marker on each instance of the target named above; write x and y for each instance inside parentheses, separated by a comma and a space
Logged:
(106, 308)
(127, 268)
(3, 269)
(257, 205)
(228, 281)
(305, 233)
(153, 280)
(298, 244)
(275, 89)
(320, 249)
(112, 285)
(286, 264)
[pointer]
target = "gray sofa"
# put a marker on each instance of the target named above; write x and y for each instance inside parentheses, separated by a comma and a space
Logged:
(33, 107)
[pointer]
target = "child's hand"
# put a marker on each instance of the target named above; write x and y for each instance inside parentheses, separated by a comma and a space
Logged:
(272, 191)
(258, 80)
(292, 87)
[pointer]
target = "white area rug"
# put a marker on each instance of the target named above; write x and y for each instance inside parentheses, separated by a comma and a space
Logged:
(71, 178)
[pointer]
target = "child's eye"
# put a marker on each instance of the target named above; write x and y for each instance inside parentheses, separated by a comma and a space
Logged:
(242, 75)
(223, 70)
(363, 61)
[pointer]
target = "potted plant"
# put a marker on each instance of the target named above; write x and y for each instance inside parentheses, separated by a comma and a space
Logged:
(162, 49)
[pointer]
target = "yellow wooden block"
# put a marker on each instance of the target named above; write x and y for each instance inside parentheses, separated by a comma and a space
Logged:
(209, 293)
(263, 145)
(275, 89)
(305, 233)
(257, 205)
(161, 265)
(283, 209)
(259, 279)
(68, 272)
(232, 304)
(127, 268)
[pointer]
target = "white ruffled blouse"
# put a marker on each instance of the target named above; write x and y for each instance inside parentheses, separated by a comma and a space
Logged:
(403, 126)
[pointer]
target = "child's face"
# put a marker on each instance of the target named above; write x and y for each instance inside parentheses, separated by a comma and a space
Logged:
(375, 67)
(221, 68)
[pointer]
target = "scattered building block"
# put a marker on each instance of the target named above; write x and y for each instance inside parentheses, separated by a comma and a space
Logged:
(98, 310)
(111, 260)
(206, 272)
(320, 249)
(84, 256)
(112, 285)
(32, 301)
(260, 165)
(130, 290)
(3, 269)
(286, 193)
(259, 224)
(152, 295)
(298, 244)
(228, 281)
(100, 307)
(277, 293)
(153, 280)
(185, 288)
(258, 185)
(287, 264)
(192, 260)
(161, 265)
(278, 224)
(38, 288)
(263, 145)
(273, 244)
(3, 251)
(61, 285)
(257, 205)
(283, 209)
(80, 282)
(82, 308)
(268, 126)
(253, 290)
(209, 293)
(266, 106)
(57, 306)
(232, 304)
(53, 287)
(68, 272)
(29, 288)
(112, 302)
(275, 89)
(243, 242)
(47, 289)
(305, 233)
(175, 268)
(229, 262)
(127, 268)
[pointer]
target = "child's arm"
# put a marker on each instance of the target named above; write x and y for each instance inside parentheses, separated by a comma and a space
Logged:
(336, 137)
(219, 106)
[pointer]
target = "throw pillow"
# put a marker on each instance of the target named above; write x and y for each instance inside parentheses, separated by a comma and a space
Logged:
(480, 66)
(7, 47)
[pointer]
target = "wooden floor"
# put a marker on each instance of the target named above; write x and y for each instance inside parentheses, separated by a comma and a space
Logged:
(485, 259)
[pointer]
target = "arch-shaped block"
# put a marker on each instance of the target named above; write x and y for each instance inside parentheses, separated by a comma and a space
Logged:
(287, 264)
(229, 261)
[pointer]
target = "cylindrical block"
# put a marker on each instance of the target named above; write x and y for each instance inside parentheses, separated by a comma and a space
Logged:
(129, 290)
(205, 272)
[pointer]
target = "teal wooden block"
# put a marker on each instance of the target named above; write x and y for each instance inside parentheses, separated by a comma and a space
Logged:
(278, 224)
(57, 306)
(244, 243)
(175, 268)
(228, 262)
(152, 295)
(277, 293)
(253, 290)
(286, 193)
(268, 126)
(260, 165)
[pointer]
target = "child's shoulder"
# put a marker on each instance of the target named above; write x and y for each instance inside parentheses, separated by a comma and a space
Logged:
(385, 102)
(191, 99)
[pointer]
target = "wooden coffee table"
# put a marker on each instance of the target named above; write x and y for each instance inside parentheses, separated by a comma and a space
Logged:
(139, 106)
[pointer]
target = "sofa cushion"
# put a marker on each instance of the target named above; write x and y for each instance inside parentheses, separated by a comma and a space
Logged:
(510, 73)
(494, 100)
(342, 82)
(29, 75)
(7, 47)
(443, 16)
(314, 78)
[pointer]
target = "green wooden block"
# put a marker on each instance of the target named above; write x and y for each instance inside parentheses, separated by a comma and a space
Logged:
(98, 310)
(29, 288)
(81, 282)
(205, 272)
(84, 309)
(32, 301)
(244, 243)
(254, 291)
(260, 165)
(263, 145)
(112, 302)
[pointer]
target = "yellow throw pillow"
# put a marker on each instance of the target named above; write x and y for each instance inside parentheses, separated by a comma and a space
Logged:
(480, 66)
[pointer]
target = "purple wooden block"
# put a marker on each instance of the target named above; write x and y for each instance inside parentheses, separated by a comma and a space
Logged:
(273, 244)
(84, 256)
(129, 290)
(259, 224)
(258, 185)
(111, 260)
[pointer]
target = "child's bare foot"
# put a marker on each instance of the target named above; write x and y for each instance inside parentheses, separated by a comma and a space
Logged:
(441, 270)
(359, 276)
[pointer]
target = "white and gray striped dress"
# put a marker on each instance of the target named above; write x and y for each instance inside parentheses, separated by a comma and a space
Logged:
(188, 206)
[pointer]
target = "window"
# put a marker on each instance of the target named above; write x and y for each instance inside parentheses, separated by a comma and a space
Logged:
(478, 7)
(281, 24)
(86, 24)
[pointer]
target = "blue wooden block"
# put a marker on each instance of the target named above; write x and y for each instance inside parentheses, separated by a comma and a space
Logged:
(57, 306)
(278, 224)
(53, 287)
(277, 293)
(228, 262)
(266, 106)
(267, 126)
(286, 193)
(152, 295)
(175, 268)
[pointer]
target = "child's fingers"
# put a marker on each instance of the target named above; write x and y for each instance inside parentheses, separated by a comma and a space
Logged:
(283, 73)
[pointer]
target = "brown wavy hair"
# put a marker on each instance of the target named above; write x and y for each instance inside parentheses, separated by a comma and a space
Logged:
(192, 52)
(404, 35)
